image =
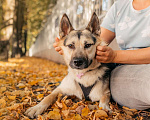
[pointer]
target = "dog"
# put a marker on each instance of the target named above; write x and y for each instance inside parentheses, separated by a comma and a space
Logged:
(87, 78)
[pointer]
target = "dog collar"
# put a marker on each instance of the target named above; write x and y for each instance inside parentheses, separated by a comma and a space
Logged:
(80, 75)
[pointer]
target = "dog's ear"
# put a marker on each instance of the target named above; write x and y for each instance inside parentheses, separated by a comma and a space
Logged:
(65, 26)
(94, 25)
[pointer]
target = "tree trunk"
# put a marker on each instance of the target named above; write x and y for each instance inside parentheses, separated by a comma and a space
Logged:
(4, 48)
(7, 11)
(25, 41)
(6, 26)
(17, 28)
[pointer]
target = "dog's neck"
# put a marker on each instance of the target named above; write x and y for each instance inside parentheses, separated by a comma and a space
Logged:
(86, 76)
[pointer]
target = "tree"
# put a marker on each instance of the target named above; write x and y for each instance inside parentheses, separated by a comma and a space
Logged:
(6, 22)
(6, 19)
(18, 22)
(21, 21)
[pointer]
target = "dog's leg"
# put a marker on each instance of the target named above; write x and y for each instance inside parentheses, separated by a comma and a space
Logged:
(44, 104)
(104, 101)
(101, 93)
(67, 87)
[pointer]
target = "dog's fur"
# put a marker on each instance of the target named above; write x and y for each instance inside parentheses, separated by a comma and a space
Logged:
(86, 76)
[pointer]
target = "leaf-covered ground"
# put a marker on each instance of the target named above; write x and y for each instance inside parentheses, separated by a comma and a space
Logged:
(25, 82)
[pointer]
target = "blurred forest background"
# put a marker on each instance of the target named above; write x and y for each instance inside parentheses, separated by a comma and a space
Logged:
(20, 23)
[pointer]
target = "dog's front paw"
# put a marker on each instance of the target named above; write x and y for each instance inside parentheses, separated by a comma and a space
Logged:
(104, 106)
(36, 110)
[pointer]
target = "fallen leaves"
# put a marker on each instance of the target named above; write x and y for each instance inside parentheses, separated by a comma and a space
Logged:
(40, 96)
(85, 111)
(25, 82)
(2, 89)
(55, 114)
(21, 85)
(100, 114)
(2, 103)
(11, 97)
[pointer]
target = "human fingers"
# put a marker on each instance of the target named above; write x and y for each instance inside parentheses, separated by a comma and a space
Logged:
(58, 49)
(61, 52)
(100, 53)
(55, 45)
(101, 59)
(102, 48)
(57, 39)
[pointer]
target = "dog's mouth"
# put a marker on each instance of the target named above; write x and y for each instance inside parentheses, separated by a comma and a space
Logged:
(80, 63)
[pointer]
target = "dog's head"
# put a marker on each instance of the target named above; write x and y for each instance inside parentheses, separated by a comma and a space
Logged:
(79, 46)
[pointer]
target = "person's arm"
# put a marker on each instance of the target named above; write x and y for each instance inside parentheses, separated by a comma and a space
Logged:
(106, 35)
(140, 56)
(105, 54)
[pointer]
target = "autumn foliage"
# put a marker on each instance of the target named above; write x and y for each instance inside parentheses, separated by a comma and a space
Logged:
(25, 82)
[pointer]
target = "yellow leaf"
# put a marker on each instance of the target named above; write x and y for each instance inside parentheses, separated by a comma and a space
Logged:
(40, 117)
(54, 115)
(65, 113)
(33, 82)
(59, 104)
(2, 89)
(57, 110)
(57, 84)
(15, 106)
(2, 72)
(26, 118)
(34, 76)
(11, 97)
(40, 96)
(23, 98)
(77, 117)
(2, 103)
(100, 113)
(51, 74)
(85, 111)
(74, 106)
(134, 110)
(64, 107)
(21, 85)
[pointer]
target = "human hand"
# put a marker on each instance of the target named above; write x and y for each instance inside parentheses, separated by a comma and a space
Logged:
(105, 54)
(57, 48)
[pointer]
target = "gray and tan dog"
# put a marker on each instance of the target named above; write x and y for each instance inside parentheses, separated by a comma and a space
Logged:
(86, 76)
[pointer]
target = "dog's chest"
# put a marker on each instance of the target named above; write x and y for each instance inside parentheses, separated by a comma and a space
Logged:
(93, 92)
(86, 90)
(89, 78)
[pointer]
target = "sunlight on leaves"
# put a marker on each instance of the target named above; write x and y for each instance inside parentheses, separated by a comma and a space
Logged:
(25, 82)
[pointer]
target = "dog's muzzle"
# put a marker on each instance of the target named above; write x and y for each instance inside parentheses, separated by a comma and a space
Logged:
(79, 63)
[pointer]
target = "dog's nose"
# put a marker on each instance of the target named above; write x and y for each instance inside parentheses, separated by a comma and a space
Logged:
(78, 62)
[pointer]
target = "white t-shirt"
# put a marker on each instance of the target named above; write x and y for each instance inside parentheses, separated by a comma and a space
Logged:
(131, 27)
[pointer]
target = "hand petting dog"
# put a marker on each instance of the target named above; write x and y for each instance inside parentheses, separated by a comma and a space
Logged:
(105, 54)
(56, 46)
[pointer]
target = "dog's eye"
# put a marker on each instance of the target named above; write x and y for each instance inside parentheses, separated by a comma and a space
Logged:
(88, 45)
(71, 46)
